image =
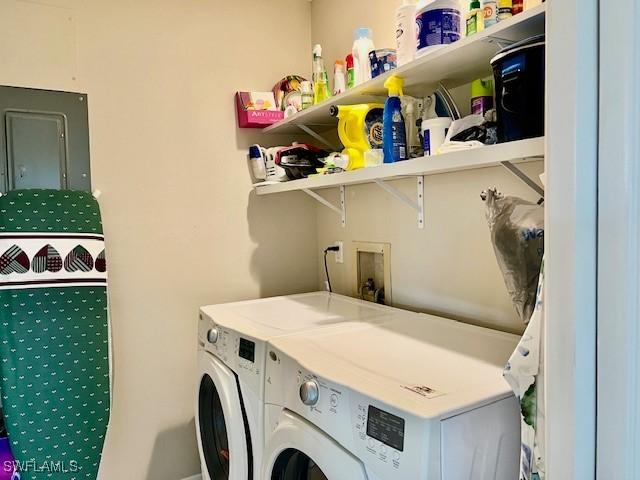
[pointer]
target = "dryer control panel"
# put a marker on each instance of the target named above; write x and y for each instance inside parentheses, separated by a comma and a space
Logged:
(242, 354)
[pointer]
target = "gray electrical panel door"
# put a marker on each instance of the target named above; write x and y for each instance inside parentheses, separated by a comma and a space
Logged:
(36, 150)
(44, 140)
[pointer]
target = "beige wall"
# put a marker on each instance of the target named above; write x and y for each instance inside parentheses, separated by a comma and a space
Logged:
(449, 267)
(182, 228)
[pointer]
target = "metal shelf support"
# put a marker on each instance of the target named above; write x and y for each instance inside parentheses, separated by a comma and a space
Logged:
(523, 177)
(341, 210)
(318, 137)
(418, 205)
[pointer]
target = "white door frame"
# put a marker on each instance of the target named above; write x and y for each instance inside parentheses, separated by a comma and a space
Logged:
(619, 248)
(571, 239)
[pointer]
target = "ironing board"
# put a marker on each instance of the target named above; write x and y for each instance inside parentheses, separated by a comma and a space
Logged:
(54, 332)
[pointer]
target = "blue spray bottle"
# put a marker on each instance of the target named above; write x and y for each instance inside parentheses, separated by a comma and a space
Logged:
(395, 136)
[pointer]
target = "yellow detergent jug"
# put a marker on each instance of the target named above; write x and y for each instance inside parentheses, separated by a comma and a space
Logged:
(360, 129)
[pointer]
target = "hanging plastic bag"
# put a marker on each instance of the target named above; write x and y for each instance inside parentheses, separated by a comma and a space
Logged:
(517, 235)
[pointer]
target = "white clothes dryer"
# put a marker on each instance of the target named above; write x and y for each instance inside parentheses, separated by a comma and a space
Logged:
(231, 364)
(418, 397)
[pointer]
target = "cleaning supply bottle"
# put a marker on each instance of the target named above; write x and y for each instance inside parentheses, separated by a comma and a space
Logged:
(360, 130)
(517, 7)
(406, 42)
(351, 72)
(362, 45)
(529, 4)
(339, 78)
(306, 94)
(320, 78)
(395, 136)
(410, 106)
(490, 10)
(505, 9)
(481, 96)
(475, 18)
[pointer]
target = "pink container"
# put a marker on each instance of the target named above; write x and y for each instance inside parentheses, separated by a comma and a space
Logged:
(254, 118)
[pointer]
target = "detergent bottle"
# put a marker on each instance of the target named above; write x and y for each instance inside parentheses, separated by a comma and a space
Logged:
(395, 134)
(360, 130)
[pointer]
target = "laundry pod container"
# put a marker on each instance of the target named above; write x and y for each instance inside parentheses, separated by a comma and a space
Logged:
(438, 23)
(519, 77)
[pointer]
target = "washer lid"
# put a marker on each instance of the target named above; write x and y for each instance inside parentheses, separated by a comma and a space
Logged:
(270, 317)
(426, 365)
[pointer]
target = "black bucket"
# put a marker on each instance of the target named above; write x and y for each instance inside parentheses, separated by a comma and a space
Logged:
(519, 76)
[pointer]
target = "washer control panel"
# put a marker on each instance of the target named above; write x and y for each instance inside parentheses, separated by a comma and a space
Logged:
(380, 434)
(391, 442)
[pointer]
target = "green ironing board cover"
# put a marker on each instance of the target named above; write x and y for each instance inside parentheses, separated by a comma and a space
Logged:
(54, 332)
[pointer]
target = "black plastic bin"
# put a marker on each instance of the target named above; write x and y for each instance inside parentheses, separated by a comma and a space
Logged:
(519, 77)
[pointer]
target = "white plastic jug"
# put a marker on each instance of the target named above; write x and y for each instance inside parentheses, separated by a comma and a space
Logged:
(362, 45)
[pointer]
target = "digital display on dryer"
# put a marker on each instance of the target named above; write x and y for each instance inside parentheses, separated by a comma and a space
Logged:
(247, 350)
(386, 428)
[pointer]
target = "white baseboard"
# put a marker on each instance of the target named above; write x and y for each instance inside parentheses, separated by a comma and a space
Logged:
(195, 477)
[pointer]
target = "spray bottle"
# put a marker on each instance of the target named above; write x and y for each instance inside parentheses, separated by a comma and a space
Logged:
(411, 110)
(394, 132)
(320, 78)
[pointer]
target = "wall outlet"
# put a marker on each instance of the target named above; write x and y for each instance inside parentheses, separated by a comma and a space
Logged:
(339, 255)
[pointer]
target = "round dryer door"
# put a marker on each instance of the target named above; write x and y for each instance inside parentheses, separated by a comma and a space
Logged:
(296, 450)
(225, 451)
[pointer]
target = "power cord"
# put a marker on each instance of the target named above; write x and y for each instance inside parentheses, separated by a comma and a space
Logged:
(333, 248)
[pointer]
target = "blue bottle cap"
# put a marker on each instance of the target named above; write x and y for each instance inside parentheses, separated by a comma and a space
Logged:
(254, 151)
(363, 32)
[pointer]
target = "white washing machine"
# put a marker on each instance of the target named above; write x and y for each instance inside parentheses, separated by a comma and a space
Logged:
(231, 364)
(416, 398)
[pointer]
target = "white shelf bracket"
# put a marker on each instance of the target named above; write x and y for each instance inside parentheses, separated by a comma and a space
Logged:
(523, 177)
(418, 205)
(318, 137)
(341, 210)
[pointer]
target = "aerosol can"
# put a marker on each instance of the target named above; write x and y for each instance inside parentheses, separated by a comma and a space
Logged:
(360, 130)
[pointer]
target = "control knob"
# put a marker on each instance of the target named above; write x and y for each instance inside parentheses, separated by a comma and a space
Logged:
(212, 335)
(309, 392)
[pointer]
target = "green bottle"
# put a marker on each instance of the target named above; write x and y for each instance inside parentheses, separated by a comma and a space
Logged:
(475, 18)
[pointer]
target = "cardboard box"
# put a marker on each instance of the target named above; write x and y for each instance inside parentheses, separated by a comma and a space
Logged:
(257, 109)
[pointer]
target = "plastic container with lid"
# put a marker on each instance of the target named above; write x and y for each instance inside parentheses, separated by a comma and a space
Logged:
(362, 45)
(438, 23)
(434, 133)
(519, 78)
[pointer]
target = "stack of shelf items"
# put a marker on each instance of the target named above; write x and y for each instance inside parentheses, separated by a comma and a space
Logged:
(453, 66)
